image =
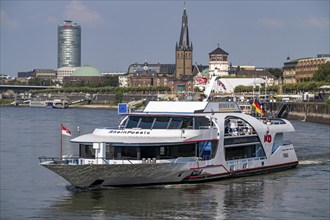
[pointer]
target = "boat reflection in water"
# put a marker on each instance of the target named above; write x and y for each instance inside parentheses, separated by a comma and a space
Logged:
(178, 142)
(225, 199)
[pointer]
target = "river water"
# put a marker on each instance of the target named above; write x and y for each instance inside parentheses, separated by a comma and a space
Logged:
(30, 191)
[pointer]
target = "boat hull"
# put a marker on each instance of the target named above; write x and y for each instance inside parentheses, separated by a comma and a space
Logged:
(119, 175)
(89, 176)
(243, 172)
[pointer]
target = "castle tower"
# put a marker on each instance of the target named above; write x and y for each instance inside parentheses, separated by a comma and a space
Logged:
(218, 62)
(183, 51)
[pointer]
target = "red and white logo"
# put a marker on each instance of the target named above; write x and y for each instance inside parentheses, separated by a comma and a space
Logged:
(267, 138)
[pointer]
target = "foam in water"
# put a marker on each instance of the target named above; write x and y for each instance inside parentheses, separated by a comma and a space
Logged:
(314, 161)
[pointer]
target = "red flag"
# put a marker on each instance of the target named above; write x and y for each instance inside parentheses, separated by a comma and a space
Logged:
(65, 131)
(202, 80)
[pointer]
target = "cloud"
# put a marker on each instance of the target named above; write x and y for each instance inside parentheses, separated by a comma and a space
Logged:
(79, 12)
(316, 22)
(6, 21)
(271, 23)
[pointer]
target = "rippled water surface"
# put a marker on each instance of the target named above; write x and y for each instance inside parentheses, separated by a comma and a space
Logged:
(31, 191)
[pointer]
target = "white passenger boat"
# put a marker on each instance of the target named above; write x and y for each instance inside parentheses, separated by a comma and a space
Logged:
(60, 103)
(56, 103)
(38, 103)
(178, 142)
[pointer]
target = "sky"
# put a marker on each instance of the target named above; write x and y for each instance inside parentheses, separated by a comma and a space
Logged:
(116, 34)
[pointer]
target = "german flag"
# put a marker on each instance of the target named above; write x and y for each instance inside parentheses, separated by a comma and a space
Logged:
(258, 107)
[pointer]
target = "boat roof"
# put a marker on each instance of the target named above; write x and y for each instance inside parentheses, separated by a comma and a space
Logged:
(125, 139)
(173, 107)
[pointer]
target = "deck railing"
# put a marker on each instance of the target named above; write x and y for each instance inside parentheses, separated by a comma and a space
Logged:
(75, 160)
(245, 163)
(56, 160)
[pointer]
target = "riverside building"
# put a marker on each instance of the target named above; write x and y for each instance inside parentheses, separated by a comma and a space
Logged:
(302, 69)
(69, 44)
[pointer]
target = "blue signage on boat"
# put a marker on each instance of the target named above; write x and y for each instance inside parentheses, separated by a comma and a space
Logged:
(122, 108)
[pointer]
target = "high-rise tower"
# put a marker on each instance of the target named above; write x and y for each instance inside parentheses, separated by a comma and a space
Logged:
(183, 51)
(69, 44)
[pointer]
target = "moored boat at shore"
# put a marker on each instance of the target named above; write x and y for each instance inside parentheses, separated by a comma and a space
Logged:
(178, 142)
(56, 103)
(60, 103)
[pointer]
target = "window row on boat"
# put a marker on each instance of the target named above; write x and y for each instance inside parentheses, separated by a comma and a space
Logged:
(245, 151)
(167, 122)
(204, 150)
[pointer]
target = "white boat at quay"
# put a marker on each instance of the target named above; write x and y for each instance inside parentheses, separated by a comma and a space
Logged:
(178, 142)
(56, 103)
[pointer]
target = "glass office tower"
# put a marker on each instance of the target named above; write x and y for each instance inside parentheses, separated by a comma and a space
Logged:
(69, 44)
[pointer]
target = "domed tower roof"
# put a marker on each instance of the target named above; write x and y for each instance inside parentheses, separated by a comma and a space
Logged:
(86, 71)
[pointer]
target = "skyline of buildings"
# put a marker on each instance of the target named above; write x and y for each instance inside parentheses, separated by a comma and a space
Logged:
(261, 33)
(179, 74)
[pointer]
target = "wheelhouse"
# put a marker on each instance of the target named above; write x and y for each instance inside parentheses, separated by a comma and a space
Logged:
(166, 122)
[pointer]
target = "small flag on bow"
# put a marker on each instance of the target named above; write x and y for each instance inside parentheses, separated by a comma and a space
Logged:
(65, 131)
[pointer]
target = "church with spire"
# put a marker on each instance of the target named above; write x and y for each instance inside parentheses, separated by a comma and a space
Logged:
(179, 76)
(183, 50)
(182, 76)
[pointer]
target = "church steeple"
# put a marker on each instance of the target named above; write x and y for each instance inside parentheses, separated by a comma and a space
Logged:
(184, 43)
(183, 58)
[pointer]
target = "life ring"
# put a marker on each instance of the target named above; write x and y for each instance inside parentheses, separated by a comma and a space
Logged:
(267, 138)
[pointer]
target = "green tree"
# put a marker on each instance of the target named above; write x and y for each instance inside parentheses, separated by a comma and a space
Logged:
(323, 73)
(119, 96)
(241, 88)
(110, 81)
(37, 81)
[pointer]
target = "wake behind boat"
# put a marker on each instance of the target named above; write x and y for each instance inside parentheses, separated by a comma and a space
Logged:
(178, 142)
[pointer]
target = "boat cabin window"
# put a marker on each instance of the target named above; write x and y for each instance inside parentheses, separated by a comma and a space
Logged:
(175, 123)
(205, 150)
(161, 122)
(167, 122)
(235, 126)
(202, 122)
(86, 151)
(278, 141)
(241, 152)
(146, 122)
(132, 122)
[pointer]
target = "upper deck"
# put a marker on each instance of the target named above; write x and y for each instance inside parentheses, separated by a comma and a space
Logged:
(155, 107)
